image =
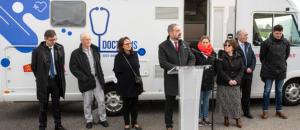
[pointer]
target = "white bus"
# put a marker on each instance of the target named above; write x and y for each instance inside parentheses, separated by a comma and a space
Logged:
(23, 22)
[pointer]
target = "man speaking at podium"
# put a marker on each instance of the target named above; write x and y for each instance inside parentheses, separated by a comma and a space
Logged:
(173, 52)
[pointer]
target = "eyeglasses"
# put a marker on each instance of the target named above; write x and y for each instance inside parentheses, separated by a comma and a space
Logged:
(127, 44)
(227, 45)
(52, 39)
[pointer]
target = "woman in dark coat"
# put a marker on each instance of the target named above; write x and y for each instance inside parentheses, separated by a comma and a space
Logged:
(126, 85)
(230, 72)
(205, 55)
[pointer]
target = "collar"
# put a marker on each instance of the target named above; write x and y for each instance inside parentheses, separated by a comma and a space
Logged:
(173, 42)
(240, 43)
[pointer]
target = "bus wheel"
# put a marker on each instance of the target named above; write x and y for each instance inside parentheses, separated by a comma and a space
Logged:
(291, 93)
(113, 101)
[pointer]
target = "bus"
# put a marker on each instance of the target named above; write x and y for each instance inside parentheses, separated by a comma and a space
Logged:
(23, 22)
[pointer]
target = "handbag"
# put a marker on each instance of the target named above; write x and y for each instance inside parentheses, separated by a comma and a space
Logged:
(138, 79)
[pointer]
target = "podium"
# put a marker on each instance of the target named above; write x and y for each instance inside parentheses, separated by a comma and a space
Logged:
(190, 79)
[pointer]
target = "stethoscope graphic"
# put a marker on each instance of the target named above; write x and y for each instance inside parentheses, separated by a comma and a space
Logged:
(99, 34)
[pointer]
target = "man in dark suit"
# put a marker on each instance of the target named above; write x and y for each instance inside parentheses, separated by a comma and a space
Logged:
(249, 61)
(47, 64)
(173, 52)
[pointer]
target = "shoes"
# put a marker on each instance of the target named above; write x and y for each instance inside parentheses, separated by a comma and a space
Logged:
(249, 116)
(238, 122)
(226, 121)
(281, 115)
(127, 127)
(59, 127)
(89, 125)
(202, 123)
(169, 128)
(137, 128)
(264, 115)
(104, 123)
(42, 128)
(206, 122)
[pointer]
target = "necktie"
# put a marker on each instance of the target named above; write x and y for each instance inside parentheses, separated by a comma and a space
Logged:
(245, 54)
(51, 65)
(176, 46)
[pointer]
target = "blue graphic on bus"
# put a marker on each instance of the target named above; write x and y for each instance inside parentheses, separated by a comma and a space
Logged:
(141, 51)
(14, 29)
(105, 22)
(5, 62)
(107, 46)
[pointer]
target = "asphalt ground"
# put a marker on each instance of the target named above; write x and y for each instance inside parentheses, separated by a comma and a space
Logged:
(24, 116)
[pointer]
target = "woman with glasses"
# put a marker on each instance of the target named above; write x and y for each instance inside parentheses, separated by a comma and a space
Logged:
(230, 71)
(126, 68)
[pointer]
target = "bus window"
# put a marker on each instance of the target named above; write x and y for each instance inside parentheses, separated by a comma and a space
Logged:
(289, 28)
(262, 27)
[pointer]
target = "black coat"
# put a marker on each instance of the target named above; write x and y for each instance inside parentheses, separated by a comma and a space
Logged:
(229, 68)
(169, 58)
(80, 68)
(273, 56)
(126, 86)
(40, 64)
(208, 74)
(251, 59)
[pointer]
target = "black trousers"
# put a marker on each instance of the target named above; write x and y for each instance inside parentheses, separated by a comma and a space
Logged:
(130, 108)
(246, 93)
(52, 89)
(169, 106)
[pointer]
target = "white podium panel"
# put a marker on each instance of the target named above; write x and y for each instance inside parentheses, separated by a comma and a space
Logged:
(190, 78)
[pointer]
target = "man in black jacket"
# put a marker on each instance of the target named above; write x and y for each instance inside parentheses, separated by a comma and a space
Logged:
(273, 55)
(85, 66)
(249, 61)
(47, 63)
(173, 52)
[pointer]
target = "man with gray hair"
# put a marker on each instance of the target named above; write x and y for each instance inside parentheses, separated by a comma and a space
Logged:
(173, 52)
(85, 66)
(249, 62)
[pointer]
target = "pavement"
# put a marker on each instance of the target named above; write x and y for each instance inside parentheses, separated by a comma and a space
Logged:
(24, 116)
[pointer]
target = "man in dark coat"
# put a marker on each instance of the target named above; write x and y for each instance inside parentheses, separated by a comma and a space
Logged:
(85, 66)
(47, 64)
(173, 52)
(249, 62)
(273, 55)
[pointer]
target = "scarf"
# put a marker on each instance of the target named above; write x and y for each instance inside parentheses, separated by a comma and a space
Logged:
(206, 51)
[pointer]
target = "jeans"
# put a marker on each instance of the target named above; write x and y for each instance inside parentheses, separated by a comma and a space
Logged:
(278, 94)
(204, 104)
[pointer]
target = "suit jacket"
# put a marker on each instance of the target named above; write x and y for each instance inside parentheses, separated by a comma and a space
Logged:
(169, 58)
(40, 64)
(251, 59)
(80, 68)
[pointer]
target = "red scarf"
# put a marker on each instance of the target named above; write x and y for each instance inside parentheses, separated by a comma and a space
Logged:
(205, 50)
